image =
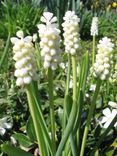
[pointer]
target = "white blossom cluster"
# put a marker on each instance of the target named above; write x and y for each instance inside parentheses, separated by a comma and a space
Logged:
(94, 26)
(71, 32)
(50, 40)
(104, 58)
(25, 62)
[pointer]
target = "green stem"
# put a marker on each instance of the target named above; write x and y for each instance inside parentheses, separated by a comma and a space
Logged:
(72, 117)
(93, 54)
(66, 95)
(51, 99)
(104, 135)
(74, 67)
(74, 78)
(35, 121)
(91, 110)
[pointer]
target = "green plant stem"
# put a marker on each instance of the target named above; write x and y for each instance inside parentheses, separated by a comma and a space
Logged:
(93, 54)
(37, 127)
(66, 95)
(74, 67)
(104, 135)
(51, 99)
(91, 110)
(72, 117)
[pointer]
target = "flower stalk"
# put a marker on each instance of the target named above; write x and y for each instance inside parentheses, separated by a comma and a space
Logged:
(66, 94)
(52, 116)
(93, 54)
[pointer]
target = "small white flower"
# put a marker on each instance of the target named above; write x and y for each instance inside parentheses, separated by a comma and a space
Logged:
(4, 124)
(108, 117)
(104, 57)
(71, 32)
(94, 26)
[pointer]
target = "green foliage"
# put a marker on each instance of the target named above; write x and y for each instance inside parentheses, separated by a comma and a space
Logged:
(17, 16)
(14, 151)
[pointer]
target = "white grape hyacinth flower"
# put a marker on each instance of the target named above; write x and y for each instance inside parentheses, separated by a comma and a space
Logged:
(50, 40)
(23, 50)
(108, 117)
(94, 26)
(71, 32)
(4, 124)
(104, 59)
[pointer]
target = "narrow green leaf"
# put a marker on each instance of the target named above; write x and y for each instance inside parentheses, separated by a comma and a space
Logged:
(30, 129)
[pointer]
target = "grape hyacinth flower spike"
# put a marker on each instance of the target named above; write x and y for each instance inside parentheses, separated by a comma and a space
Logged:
(94, 26)
(94, 32)
(25, 62)
(50, 40)
(104, 58)
(71, 32)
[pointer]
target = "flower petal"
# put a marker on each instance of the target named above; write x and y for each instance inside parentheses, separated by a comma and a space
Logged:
(107, 124)
(48, 15)
(20, 34)
(14, 40)
(112, 104)
(43, 19)
(54, 19)
(114, 113)
(107, 112)
(28, 38)
(7, 125)
(2, 131)
(104, 119)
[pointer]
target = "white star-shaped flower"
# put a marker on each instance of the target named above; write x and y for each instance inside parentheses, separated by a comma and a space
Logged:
(4, 124)
(108, 117)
